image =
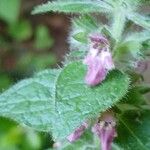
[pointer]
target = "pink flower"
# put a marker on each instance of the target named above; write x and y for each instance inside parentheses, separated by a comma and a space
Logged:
(99, 60)
(77, 133)
(96, 72)
(106, 132)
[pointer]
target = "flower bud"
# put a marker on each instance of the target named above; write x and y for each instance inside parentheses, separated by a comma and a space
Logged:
(77, 133)
(106, 132)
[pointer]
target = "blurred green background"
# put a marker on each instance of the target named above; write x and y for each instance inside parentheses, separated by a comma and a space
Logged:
(28, 44)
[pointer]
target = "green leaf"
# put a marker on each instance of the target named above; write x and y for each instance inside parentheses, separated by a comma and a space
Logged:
(127, 52)
(60, 101)
(143, 89)
(134, 131)
(36, 62)
(82, 27)
(31, 102)
(81, 37)
(9, 10)
(138, 36)
(85, 22)
(6, 81)
(134, 97)
(76, 101)
(74, 55)
(143, 21)
(118, 23)
(131, 48)
(71, 6)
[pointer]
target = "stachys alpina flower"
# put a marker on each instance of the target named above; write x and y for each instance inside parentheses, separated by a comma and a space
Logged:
(99, 60)
(105, 130)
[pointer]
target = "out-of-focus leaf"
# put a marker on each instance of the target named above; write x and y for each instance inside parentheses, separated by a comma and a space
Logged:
(32, 139)
(21, 30)
(9, 10)
(42, 38)
(5, 125)
(81, 37)
(118, 23)
(128, 51)
(13, 136)
(138, 36)
(36, 62)
(5, 81)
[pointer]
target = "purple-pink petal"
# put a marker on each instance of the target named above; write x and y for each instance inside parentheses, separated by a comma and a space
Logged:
(106, 132)
(107, 60)
(96, 72)
(77, 133)
(98, 38)
(99, 60)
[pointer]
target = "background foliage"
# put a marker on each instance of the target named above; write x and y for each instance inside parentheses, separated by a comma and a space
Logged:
(26, 46)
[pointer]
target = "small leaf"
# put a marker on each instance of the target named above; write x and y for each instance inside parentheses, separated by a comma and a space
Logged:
(71, 6)
(85, 22)
(134, 131)
(81, 37)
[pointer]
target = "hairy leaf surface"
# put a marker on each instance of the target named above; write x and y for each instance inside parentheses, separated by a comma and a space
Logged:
(71, 6)
(59, 101)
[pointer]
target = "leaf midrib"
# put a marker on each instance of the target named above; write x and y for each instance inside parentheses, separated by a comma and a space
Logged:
(133, 134)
